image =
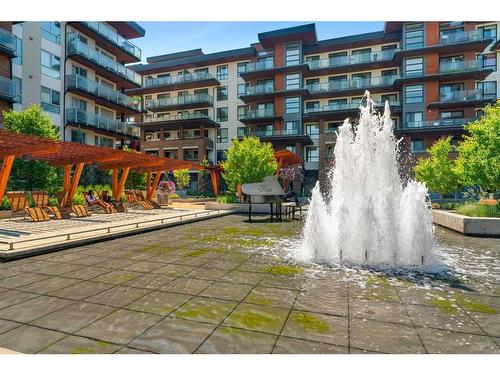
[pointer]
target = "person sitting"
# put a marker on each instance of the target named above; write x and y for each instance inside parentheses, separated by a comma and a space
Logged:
(92, 200)
(107, 198)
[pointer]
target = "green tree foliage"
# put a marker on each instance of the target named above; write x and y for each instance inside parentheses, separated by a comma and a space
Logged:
(248, 161)
(182, 178)
(92, 175)
(135, 181)
(438, 170)
(205, 186)
(29, 175)
(479, 154)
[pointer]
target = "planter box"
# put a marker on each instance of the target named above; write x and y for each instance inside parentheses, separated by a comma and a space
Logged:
(239, 207)
(470, 226)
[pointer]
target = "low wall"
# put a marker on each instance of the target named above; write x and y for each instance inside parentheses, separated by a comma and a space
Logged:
(239, 207)
(470, 226)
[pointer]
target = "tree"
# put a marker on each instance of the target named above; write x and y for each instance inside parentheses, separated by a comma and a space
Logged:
(135, 180)
(438, 170)
(182, 178)
(205, 186)
(248, 161)
(478, 163)
(33, 174)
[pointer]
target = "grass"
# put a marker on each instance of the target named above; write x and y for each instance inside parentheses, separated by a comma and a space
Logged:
(479, 210)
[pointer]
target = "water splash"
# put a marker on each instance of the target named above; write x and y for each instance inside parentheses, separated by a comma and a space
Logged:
(368, 217)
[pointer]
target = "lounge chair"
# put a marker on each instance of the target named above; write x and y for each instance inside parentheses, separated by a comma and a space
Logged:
(140, 197)
(20, 207)
(78, 209)
(134, 203)
(119, 207)
(41, 200)
(96, 208)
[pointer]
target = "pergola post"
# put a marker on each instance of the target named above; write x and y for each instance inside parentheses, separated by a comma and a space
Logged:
(214, 176)
(119, 185)
(151, 187)
(71, 183)
(114, 185)
(7, 163)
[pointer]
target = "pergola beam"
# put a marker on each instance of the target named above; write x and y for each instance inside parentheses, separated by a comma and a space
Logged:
(7, 163)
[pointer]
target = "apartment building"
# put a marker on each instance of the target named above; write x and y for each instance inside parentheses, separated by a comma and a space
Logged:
(77, 73)
(294, 90)
(8, 85)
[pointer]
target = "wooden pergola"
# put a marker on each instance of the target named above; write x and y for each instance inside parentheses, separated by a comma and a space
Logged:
(72, 157)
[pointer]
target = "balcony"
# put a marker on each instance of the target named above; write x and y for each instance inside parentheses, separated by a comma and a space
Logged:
(177, 82)
(435, 126)
(8, 90)
(258, 115)
(110, 40)
(339, 110)
(266, 91)
(286, 135)
(7, 43)
(464, 98)
(103, 64)
(75, 116)
(461, 37)
(101, 94)
(348, 87)
(263, 69)
(180, 102)
(351, 62)
(184, 119)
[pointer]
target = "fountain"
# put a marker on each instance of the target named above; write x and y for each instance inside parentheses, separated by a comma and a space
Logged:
(369, 216)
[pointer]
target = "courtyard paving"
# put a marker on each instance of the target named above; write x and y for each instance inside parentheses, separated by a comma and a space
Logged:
(229, 286)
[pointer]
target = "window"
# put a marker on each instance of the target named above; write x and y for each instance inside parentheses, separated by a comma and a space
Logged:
(242, 67)
(291, 148)
(338, 82)
(417, 145)
(222, 93)
(452, 114)
(222, 135)
(338, 58)
(152, 135)
(103, 141)
(292, 54)
(291, 128)
(172, 154)
(337, 103)
(313, 61)
(490, 61)
(312, 81)
(222, 72)
(170, 135)
(414, 66)
(242, 111)
(312, 154)
(312, 105)
(414, 119)
(222, 114)
(51, 65)
(200, 71)
(191, 154)
(241, 131)
(50, 100)
(361, 55)
(414, 35)
(312, 130)
(152, 152)
(77, 136)
(389, 47)
(265, 130)
(19, 52)
(330, 151)
(292, 81)
(488, 89)
(52, 31)
(242, 89)
(292, 105)
(332, 127)
(391, 98)
(414, 94)
(221, 155)
(19, 92)
(489, 31)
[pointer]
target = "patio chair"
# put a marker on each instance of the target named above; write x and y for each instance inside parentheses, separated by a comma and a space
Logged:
(119, 206)
(141, 198)
(97, 208)
(20, 207)
(78, 209)
(41, 200)
(134, 203)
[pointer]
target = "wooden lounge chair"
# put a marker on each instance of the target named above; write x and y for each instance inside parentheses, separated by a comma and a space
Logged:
(134, 203)
(96, 208)
(41, 200)
(119, 207)
(140, 197)
(78, 209)
(20, 207)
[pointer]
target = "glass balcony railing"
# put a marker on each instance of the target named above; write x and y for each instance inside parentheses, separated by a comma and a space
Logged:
(461, 66)
(259, 89)
(8, 89)
(76, 81)
(363, 58)
(179, 101)
(181, 116)
(178, 79)
(76, 46)
(464, 95)
(347, 107)
(269, 133)
(7, 40)
(259, 65)
(107, 32)
(438, 123)
(461, 37)
(78, 116)
(252, 114)
(343, 85)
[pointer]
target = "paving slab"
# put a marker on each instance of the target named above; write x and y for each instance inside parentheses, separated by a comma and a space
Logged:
(447, 342)
(13, 297)
(28, 339)
(228, 340)
(118, 296)
(227, 291)
(265, 319)
(288, 345)
(186, 285)
(80, 345)
(205, 310)
(380, 310)
(158, 302)
(34, 308)
(272, 297)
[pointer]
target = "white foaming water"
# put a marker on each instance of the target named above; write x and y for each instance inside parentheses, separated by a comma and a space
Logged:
(369, 217)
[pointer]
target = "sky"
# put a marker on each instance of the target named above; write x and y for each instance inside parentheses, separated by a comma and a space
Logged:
(168, 37)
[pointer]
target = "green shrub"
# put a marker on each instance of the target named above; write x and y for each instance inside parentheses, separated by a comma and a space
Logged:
(182, 178)
(173, 196)
(227, 198)
(5, 205)
(479, 210)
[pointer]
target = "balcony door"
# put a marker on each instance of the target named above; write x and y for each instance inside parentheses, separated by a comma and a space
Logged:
(265, 130)
(448, 91)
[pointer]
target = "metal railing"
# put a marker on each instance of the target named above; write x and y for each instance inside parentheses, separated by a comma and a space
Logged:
(463, 96)
(76, 81)
(461, 37)
(179, 100)
(438, 123)
(363, 58)
(8, 88)
(361, 83)
(76, 46)
(7, 40)
(257, 113)
(182, 116)
(178, 79)
(107, 32)
(78, 116)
